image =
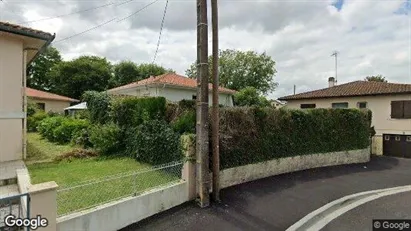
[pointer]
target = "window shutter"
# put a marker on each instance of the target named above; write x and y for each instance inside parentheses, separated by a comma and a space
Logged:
(397, 109)
(407, 109)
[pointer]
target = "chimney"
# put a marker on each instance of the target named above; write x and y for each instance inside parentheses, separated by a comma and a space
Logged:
(331, 82)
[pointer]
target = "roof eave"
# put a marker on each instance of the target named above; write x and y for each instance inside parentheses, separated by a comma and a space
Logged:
(345, 96)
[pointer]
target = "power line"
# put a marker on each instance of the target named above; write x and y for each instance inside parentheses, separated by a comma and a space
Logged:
(105, 23)
(77, 12)
(161, 30)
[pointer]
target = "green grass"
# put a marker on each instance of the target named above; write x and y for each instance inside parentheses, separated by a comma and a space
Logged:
(39, 149)
(74, 173)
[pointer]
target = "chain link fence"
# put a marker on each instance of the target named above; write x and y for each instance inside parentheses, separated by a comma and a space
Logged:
(88, 194)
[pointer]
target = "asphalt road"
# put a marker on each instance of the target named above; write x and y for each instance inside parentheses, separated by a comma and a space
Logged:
(277, 202)
(397, 206)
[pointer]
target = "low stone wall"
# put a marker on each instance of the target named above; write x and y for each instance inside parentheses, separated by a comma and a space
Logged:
(119, 214)
(241, 174)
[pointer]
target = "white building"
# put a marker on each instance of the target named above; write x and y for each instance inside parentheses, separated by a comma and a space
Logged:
(173, 87)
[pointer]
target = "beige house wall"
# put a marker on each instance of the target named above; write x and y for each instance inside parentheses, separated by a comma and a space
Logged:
(11, 98)
(52, 105)
(381, 109)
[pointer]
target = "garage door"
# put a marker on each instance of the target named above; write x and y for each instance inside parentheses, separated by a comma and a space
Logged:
(397, 145)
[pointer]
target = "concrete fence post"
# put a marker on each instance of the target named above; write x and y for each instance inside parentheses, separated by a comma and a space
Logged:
(43, 202)
(189, 171)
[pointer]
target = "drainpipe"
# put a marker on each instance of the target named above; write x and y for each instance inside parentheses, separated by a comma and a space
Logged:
(24, 82)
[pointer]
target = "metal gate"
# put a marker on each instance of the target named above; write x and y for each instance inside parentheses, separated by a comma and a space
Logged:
(18, 205)
(397, 145)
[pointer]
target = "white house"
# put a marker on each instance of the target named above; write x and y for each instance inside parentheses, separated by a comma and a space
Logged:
(173, 87)
(390, 104)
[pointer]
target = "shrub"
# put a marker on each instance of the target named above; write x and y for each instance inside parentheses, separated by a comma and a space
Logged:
(47, 126)
(249, 135)
(69, 126)
(133, 111)
(32, 108)
(82, 138)
(106, 139)
(154, 142)
(186, 123)
(98, 104)
(34, 120)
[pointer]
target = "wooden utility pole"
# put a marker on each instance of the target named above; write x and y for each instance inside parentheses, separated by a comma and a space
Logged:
(202, 140)
(215, 116)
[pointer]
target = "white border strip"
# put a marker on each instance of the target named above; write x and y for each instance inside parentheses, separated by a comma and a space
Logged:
(12, 115)
(324, 219)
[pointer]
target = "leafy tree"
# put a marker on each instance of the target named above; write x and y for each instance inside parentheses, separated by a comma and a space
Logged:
(376, 78)
(241, 69)
(250, 97)
(85, 73)
(125, 72)
(147, 69)
(38, 71)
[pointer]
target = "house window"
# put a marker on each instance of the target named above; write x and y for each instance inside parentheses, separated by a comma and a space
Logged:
(362, 105)
(41, 106)
(194, 97)
(305, 106)
(397, 138)
(408, 138)
(401, 109)
(339, 105)
(386, 137)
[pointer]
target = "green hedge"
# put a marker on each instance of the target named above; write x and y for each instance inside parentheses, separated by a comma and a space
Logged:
(251, 135)
(98, 104)
(61, 129)
(133, 111)
(107, 139)
(34, 120)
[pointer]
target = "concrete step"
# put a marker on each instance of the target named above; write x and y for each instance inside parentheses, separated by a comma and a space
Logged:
(8, 169)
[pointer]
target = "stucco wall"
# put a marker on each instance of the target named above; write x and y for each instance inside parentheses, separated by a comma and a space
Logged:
(119, 214)
(52, 105)
(11, 100)
(242, 174)
(379, 105)
(175, 95)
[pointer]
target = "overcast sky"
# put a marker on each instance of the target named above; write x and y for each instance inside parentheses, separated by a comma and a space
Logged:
(372, 37)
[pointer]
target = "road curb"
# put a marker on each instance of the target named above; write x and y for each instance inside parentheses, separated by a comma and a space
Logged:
(325, 214)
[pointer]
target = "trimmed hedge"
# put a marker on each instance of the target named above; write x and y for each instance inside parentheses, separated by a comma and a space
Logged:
(154, 142)
(98, 104)
(251, 135)
(107, 139)
(34, 120)
(61, 129)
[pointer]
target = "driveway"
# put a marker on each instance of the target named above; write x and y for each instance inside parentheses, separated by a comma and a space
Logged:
(277, 202)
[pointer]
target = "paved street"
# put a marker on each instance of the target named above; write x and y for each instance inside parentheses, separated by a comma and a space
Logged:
(277, 202)
(396, 206)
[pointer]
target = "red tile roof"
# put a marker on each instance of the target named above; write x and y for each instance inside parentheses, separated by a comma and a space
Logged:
(170, 79)
(33, 93)
(16, 29)
(356, 88)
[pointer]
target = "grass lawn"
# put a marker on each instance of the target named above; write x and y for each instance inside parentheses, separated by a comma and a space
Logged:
(84, 183)
(39, 149)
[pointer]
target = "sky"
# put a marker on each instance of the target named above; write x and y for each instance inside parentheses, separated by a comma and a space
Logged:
(372, 37)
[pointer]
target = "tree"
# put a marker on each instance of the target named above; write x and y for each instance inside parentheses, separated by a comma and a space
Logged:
(250, 97)
(38, 71)
(125, 72)
(376, 78)
(241, 69)
(147, 69)
(85, 73)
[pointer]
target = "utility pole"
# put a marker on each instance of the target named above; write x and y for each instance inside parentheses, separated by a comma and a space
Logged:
(294, 89)
(335, 53)
(215, 115)
(202, 140)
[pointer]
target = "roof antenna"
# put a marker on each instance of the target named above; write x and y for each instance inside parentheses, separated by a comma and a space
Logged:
(335, 53)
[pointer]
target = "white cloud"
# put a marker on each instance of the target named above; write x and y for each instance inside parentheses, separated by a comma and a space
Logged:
(299, 35)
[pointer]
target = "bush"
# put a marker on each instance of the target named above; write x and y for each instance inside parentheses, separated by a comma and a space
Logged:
(98, 106)
(82, 138)
(132, 111)
(249, 135)
(34, 120)
(154, 142)
(47, 126)
(32, 108)
(64, 133)
(186, 123)
(106, 139)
